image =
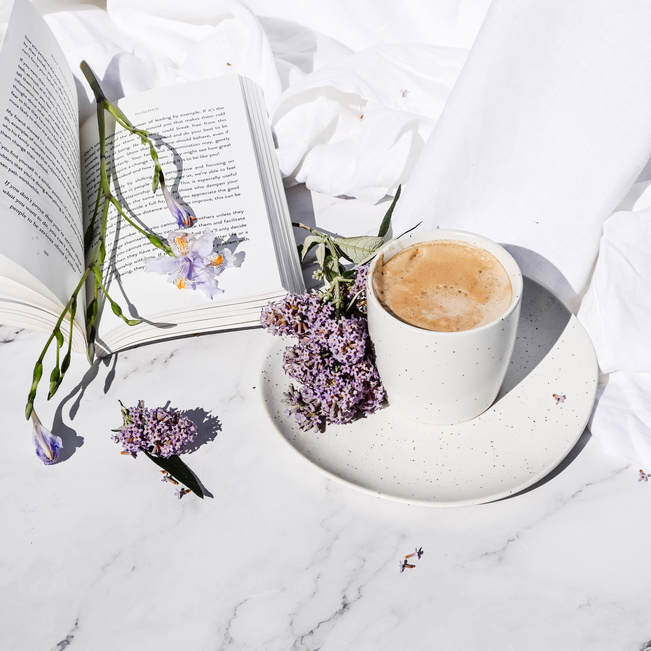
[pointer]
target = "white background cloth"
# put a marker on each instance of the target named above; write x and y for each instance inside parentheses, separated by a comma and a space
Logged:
(545, 133)
(542, 137)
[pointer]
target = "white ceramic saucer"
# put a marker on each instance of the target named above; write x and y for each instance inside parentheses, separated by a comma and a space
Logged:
(538, 417)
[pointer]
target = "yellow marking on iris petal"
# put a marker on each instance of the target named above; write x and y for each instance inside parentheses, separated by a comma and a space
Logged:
(180, 283)
(217, 260)
(182, 244)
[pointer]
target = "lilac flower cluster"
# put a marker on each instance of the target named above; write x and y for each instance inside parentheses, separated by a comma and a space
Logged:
(160, 432)
(332, 359)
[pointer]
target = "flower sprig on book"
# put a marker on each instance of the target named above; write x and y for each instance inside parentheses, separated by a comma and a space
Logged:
(190, 262)
(195, 263)
(333, 359)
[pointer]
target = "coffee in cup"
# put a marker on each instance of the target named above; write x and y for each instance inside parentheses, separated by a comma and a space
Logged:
(443, 285)
(443, 309)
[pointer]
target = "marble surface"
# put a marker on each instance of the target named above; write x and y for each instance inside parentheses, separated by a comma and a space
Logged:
(98, 554)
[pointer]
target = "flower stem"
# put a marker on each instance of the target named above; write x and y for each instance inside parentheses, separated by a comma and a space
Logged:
(69, 309)
(97, 241)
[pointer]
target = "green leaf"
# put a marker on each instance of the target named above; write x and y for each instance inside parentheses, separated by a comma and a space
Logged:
(55, 375)
(321, 255)
(310, 242)
(98, 274)
(358, 249)
(65, 363)
(101, 255)
(178, 470)
(38, 374)
(331, 268)
(90, 348)
(36, 378)
(386, 222)
(158, 243)
(117, 310)
(91, 311)
(54, 387)
(126, 416)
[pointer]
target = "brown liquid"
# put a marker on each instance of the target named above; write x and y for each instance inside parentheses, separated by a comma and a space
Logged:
(443, 285)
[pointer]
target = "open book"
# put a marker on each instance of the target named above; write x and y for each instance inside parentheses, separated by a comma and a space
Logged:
(216, 150)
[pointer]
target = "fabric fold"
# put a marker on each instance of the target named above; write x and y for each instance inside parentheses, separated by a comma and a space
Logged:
(545, 131)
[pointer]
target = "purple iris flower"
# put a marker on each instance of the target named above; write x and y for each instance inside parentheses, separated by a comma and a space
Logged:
(47, 445)
(183, 218)
(195, 263)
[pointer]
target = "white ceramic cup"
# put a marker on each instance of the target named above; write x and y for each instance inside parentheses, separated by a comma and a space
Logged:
(435, 377)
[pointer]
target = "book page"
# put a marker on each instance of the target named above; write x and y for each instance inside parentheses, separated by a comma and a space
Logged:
(206, 152)
(40, 195)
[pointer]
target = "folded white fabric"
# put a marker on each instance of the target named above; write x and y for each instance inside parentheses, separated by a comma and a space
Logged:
(548, 127)
(356, 126)
(545, 131)
(616, 311)
(365, 83)
(621, 420)
(366, 23)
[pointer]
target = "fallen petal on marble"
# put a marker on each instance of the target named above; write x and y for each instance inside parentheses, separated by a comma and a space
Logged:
(47, 445)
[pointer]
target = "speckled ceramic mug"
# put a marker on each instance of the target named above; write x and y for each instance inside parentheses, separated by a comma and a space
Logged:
(443, 377)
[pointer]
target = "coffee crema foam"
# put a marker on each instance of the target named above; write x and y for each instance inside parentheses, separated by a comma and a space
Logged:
(443, 285)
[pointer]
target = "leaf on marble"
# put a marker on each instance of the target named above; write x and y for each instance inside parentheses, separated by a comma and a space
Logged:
(179, 470)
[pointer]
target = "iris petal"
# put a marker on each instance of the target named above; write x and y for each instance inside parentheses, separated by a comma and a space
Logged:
(163, 265)
(183, 218)
(47, 445)
(193, 264)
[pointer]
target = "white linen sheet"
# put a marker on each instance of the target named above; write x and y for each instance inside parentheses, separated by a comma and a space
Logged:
(537, 146)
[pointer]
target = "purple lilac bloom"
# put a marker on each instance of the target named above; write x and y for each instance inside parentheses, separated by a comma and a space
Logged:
(160, 432)
(305, 409)
(296, 315)
(333, 358)
(375, 397)
(338, 395)
(304, 361)
(348, 341)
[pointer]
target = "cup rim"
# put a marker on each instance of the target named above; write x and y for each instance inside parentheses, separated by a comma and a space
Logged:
(416, 237)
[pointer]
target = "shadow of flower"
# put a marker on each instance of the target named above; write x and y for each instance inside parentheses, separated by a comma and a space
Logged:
(208, 427)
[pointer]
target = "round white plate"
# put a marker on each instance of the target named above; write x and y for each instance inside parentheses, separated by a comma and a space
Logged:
(538, 417)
